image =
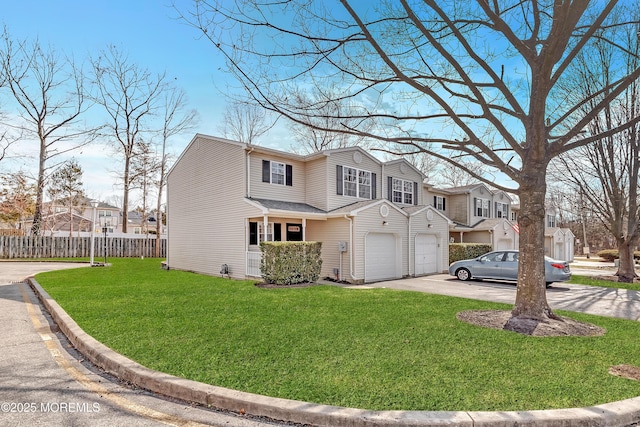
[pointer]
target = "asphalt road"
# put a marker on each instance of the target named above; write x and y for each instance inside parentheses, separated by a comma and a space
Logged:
(43, 382)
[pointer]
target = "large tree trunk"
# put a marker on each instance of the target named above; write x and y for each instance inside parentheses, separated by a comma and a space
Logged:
(626, 269)
(531, 296)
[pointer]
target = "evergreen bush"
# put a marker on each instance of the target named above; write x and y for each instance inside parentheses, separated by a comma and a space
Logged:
(290, 263)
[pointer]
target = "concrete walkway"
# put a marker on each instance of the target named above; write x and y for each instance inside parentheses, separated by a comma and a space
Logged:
(27, 350)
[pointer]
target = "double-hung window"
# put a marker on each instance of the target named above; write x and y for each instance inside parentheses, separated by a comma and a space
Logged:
(402, 191)
(439, 202)
(551, 221)
(502, 210)
(277, 173)
(482, 208)
(356, 183)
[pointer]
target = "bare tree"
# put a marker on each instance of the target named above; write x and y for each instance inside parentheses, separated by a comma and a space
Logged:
(176, 119)
(326, 115)
(475, 79)
(131, 96)
(66, 189)
(606, 173)
(245, 121)
(49, 92)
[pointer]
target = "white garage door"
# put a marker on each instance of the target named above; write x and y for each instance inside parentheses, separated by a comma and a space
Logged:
(426, 254)
(381, 260)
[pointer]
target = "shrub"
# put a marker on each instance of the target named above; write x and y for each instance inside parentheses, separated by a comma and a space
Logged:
(612, 254)
(458, 251)
(289, 263)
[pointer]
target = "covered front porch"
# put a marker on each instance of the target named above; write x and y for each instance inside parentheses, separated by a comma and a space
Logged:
(279, 222)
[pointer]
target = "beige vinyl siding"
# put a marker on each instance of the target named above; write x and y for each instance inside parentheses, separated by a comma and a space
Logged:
(206, 220)
(346, 158)
(318, 183)
(427, 199)
(331, 232)
(460, 208)
(480, 193)
(264, 190)
(370, 221)
(395, 170)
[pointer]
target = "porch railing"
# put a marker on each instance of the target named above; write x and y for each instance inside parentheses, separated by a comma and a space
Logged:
(253, 264)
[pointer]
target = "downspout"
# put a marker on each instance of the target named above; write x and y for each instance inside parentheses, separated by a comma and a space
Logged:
(409, 250)
(249, 171)
(350, 247)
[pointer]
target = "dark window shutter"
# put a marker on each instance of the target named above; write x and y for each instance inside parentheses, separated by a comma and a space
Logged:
(444, 204)
(253, 233)
(496, 207)
(339, 180)
(475, 206)
(289, 175)
(390, 188)
(266, 171)
(374, 184)
(435, 202)
(277, 232)
(415, 193)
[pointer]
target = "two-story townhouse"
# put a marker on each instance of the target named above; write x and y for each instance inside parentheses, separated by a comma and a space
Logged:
(479, 214)
(225, 197)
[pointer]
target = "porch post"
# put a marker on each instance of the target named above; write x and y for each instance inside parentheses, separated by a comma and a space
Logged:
(304, 229)
(265, 225)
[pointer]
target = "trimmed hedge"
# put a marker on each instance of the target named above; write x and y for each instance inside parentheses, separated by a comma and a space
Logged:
(458, 251)
(289, 263)
(612, 254)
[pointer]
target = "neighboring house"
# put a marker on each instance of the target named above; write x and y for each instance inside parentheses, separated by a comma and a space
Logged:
(139, 225)
(479, 214)
(225, 197)
(59, 219)
(558, 242)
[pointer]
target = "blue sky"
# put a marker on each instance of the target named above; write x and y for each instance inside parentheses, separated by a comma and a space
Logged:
(153, 36)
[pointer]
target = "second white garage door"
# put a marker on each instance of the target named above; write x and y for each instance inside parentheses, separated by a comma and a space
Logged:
(382, 259)
(426, 254)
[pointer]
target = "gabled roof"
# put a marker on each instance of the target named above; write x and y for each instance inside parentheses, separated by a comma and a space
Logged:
(490, 224)
(414, 210)
(354, 208)
(406, 162)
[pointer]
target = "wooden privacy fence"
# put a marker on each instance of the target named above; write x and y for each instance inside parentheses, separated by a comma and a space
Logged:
(75, 247)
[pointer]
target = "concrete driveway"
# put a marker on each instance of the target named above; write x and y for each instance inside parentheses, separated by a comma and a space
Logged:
(609, 302)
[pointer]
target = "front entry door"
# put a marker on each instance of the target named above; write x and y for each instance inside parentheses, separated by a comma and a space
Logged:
(294, 232)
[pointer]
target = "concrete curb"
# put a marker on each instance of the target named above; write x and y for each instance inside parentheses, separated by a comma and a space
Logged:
(616, 414)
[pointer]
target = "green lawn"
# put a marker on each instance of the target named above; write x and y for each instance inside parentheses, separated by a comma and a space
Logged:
(590, 281)
(375, 349)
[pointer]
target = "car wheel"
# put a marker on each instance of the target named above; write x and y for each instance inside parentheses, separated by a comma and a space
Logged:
(549, 284)
(463, 274)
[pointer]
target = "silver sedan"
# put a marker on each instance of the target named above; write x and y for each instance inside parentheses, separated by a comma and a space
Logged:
(503, 265)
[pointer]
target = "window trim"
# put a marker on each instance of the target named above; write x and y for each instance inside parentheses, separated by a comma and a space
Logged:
(360, 175)
(403, 193)
(480, 210)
